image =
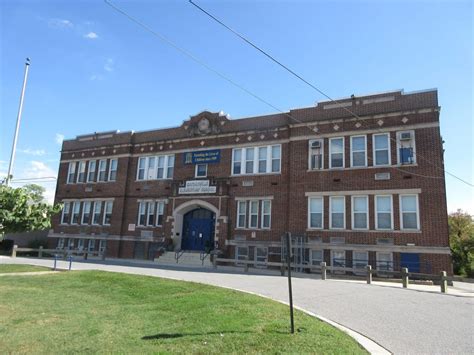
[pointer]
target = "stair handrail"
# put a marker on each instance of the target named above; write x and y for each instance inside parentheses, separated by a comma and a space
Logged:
(203, 255)
(178, 254)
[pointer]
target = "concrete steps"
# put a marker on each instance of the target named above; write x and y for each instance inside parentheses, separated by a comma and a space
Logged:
(190, 258)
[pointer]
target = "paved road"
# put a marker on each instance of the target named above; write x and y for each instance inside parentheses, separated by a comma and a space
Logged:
(403, 321)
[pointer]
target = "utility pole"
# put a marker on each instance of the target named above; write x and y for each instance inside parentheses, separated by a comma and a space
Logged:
(18, 119)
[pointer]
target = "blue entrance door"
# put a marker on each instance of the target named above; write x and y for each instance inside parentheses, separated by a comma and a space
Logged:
(198, 230)
(410, 261)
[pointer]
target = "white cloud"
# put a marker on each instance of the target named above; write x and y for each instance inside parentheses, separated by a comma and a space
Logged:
(60, 23)
(29, 151)
(109, 65)
(59, 138)
(91, 35)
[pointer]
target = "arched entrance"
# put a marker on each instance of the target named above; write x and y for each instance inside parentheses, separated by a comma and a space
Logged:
(198, 230)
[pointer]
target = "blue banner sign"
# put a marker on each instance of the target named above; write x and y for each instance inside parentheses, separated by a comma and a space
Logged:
(203, 157)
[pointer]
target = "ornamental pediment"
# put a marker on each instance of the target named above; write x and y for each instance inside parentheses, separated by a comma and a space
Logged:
(205, 123)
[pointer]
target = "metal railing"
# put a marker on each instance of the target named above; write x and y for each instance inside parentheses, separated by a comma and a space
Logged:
(178, 254)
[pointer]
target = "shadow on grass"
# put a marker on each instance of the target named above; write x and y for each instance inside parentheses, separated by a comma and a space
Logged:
(180, 335)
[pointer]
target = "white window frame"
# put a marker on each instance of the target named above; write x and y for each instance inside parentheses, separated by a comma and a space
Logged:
(377, 261)
(104, 170)
(332, 260)
(312, 259)
(72, 166)
(234, 162)
(102, 245)
(81, 164)
(106, 206)
(140, 159)
(256, 159)
(142, 211)
(399, 145)
(343, 210)
(417, 211)
(160, 211)
(258, 259)
(377, 212)
(169, 164)
(152, 173)
(80, 244)
(262, 160)
(270, 170)
(239, 257)
(353, 212)
(374, 150)
(254, 203)
(196, 170)
(91, 245)
(241, 215)
(111, 163)
(96, 203)
(150, 212)
(360, 270)
(322, 211)
(343, 153)
(74, 204)
(90, 170)
(358, 151)
(310, 167)
(60, 244)
(263, 214)
(86, 203)
(68, 204)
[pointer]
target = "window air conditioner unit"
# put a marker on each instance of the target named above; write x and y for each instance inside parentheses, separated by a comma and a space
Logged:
(405, 136)
(316, 145)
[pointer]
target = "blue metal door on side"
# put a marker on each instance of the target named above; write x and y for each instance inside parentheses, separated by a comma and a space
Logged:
(410, 261)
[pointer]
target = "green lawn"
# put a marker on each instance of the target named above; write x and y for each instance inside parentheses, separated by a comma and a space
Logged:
(93, 311)
(9, 268)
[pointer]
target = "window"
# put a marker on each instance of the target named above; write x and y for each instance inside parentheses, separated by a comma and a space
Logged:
(160, 173)
(81, 174)
(256, 160)
(360, 212)
(141, 169)
(241, 207)
(70, 243)
(337, 207)
(96, 214)
(261, 255)
(381, 143)
(108, 212)
(241, 253)
(91, 245)
(201, 170)
(249, 157)
(383, 214)
(316, 212)
(150, 214)
(141, 213)
(266, 213)
(102, 246)
(76, 206)
(170, 167)
(113, 169)
(80, 244)
(71, 173)
(360, 259)
(384, 261)
(160, 211)
(336, 153)
(406, 147)
(66, 211)
(409, 216)
(316, 154)
(236, 161)
(102, 170)
(338, 258)
(60, 243)
(151, 171)
(253, 214)
(86, 212)
(316, 257)
(91, 171)
(358, 151)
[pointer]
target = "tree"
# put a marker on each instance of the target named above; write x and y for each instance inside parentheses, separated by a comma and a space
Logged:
(461, 241)
(20, 210)
(36, 192)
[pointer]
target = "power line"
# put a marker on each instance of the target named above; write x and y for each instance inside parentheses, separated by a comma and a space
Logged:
(314, 87)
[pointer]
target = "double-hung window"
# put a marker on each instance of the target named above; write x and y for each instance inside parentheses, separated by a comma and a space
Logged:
(91, 245)
(151, 170)
(160, 171)
(108, 212)
(60, 243)
(76, 206)
(360, 212)
(337, 216)
(266, 213)
(155, 167)
(86, 212)
(276, 158)
(316, 212)
(409, 215)
(358, 151)
(91, 171)
(406, 147)
(102, 176)
(381, 144)
(316, 257)
(253, 214)
(170, 166)
(160, 211)
(102, 245)
(141, 168)
(96, 213)
(71, 172)
(150, 213)
(262, 159)
(237, 161)
(383, 212)
(241, 213)
(113, 170)
(336, 153)
(249, 160)
(201, 170)
(316, 154)
(81, 172)
(142, 213)
(256, 160)
(66, 213)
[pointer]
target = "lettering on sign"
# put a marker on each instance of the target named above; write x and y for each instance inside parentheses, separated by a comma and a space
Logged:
(197, 187)
(202, 156)
(247, 183)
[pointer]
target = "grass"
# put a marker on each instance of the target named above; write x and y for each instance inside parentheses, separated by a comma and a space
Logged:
(100, 312)
(9, 268)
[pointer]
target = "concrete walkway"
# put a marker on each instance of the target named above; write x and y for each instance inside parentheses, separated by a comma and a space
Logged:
(404, 321)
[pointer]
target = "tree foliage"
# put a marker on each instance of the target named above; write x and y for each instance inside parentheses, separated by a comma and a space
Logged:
(36, 192)
(461, 241)
(23, 210)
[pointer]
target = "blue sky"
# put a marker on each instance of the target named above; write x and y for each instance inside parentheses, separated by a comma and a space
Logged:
(94, 70)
